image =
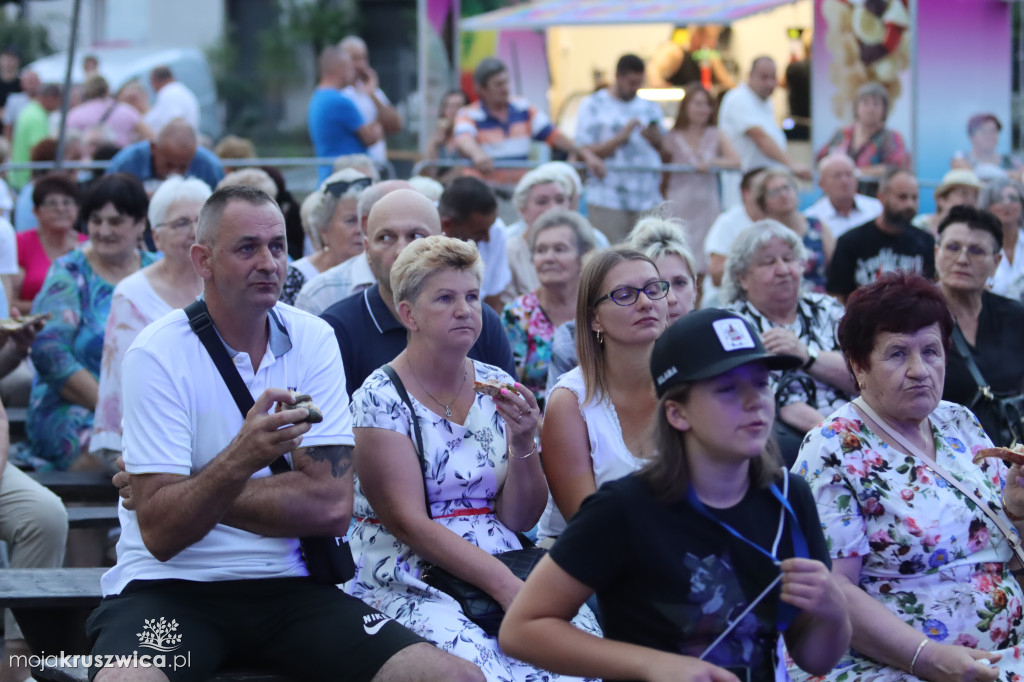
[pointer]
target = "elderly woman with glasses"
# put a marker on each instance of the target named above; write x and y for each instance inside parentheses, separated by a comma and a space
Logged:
(145, 296)
(989, 327)
(1004, 198)
(334, 229)
(598, 416)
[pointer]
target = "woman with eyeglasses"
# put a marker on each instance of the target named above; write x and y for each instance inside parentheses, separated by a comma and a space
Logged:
(776, 195)
(77, 293)
(146, 296)
(596, 424)
(1004, 198)
(55, 201)
(333, 227)
(989, 327)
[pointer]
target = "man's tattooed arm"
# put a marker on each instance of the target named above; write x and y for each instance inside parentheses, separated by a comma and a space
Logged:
(340, 457)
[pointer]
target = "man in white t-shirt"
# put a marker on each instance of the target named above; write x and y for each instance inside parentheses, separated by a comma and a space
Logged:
(748, 118)
(209, 559)
(842, 208)
(371, 101)
(469, 211)
(8, 266)
(173, 100)
(622, 129)
(722, 233)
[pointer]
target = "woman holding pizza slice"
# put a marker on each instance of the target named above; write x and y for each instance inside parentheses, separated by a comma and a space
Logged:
(918, 533)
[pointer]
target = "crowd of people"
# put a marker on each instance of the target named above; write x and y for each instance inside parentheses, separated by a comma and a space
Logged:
(744, 438)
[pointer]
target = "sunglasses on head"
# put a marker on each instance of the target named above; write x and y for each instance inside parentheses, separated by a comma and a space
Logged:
(340, 187)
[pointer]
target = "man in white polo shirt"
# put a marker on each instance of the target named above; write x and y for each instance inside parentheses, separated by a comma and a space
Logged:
(209, 568)
(842, 208)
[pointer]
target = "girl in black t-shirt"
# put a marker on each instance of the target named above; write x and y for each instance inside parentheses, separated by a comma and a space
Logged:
(702, 559)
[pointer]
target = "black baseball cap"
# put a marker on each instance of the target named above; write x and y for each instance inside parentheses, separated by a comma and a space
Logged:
(707, 343)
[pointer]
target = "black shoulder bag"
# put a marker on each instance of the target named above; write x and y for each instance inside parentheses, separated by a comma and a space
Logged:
(328, 559)
(477, 605)
(1008, 409)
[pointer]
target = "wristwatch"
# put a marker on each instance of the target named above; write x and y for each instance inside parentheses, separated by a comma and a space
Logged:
(812, 357)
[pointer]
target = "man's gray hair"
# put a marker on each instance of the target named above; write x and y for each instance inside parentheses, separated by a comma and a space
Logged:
(486, 69)
(745, 248)
(213, 210)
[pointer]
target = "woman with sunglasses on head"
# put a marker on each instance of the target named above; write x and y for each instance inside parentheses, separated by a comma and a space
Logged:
(597, 415)
(146, 296)
(334, 229)
(730, 546)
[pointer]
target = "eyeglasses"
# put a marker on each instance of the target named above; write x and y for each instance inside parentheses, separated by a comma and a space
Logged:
(339, 187)
(626, 296)
(180, 223)
(973, 250)
(57, 204)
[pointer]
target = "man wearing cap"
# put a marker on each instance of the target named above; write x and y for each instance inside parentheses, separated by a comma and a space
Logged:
(886, 244)
(842, 207)
(984, 159)
(499, 127)
(959, 186)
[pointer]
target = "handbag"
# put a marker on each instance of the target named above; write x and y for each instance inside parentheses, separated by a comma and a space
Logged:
(1007, 409)
(787, 436)
(1012, 536)
(476, 604)
(328, 559)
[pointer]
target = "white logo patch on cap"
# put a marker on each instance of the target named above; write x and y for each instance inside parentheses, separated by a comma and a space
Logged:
(733, 334)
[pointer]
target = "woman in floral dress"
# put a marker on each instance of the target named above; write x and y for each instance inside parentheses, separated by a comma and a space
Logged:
(560, 238)
(927, 573)
(481, 476)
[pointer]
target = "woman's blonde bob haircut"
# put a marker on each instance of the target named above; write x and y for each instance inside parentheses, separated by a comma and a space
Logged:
(428, 256)
(590, 352)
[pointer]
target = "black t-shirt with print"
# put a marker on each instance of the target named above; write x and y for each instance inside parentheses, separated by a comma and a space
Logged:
(864, 253)
(669, 578)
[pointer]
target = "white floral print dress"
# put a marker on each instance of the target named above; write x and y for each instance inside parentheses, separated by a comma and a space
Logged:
(930, 556)
(466, 467)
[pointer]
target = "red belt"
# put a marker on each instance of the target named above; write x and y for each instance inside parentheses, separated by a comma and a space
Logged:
(457, 512)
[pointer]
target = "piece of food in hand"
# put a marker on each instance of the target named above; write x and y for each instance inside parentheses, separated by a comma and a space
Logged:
(1008, 455)
(493, 388)
(16, 324)
(303, 400)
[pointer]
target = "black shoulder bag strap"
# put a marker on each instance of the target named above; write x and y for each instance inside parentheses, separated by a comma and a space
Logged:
(984, 390)
(202, 325)
(404, 395)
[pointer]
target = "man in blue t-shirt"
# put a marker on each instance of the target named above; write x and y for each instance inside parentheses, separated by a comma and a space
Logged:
(335, 124)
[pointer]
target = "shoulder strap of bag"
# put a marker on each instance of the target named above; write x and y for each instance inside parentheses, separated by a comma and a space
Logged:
(202, 325)
(1012, 536)
(404, 395)
(984, 390)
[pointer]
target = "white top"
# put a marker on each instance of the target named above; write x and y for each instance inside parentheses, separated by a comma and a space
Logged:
(8, 249)
(724, 230)
(497, 274)
(378, 151)
(174, 100)
(334, 284)
(865, 208)
(133, 306)
(306, 267)
(742, 110)
(6, 201)
(176, 422)
(601, 117)
(612, 459)
(1006, 273)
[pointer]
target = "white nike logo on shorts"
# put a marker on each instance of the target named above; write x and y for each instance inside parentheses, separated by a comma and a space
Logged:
(372, 630)
(381, 621)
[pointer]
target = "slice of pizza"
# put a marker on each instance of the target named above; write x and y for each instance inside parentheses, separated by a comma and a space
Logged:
(12, 324)
(493, 388)
(303, 400)
(1008, 455)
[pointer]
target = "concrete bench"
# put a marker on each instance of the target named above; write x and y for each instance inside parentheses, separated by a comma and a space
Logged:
(52, 604)
(78, 486)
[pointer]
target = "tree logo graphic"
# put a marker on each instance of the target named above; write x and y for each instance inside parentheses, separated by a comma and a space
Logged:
(159, 635)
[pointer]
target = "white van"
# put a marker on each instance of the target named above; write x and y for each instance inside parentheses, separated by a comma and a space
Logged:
(120, 65)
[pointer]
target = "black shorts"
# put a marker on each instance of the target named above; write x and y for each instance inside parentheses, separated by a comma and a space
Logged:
(287, 625)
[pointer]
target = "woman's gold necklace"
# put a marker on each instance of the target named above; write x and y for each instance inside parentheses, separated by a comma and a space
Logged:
(447, 408)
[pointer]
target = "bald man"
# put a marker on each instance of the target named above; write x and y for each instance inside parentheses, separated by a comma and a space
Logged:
(336, 126)
(366, 94)
(367, 325)
(174, 152)
(842, 208)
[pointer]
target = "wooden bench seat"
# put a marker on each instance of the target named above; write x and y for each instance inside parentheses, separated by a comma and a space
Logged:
(92, 517)
(78, 486)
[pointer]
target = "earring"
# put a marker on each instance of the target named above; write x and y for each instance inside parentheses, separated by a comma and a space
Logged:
(599, 339)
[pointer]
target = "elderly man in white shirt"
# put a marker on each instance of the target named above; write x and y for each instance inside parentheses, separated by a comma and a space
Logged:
(369, 99)
(173, 100)
(842, 208)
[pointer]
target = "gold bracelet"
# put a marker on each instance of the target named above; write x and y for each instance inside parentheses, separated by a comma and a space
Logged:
(528, 454)
(917, 653)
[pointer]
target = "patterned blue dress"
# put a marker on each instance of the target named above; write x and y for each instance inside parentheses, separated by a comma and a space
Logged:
(79, 301)
(466, 466)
